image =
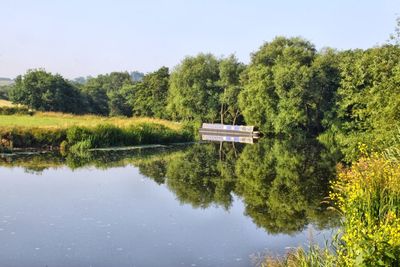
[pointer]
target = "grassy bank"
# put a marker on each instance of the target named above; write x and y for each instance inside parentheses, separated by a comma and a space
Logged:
(49, 130)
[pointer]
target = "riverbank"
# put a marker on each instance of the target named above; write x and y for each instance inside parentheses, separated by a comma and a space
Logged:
(65, 131)
(367, 196)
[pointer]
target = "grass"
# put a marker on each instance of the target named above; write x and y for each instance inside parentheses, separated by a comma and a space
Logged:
(313, 256)
(65, 131)
(60, 120)
(6, 103)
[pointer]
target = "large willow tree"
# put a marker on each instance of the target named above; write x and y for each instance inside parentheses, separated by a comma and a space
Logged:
(282, 92)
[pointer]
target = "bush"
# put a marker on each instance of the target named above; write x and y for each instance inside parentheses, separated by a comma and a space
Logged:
(106, 135)
(15, 110)
(76, 134)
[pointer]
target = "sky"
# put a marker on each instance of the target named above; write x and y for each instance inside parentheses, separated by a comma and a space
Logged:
(90, 37)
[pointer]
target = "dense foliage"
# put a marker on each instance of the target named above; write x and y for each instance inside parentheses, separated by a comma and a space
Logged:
(367, 108)
(194, 90)
(105, 94)
(149, 96)
(43, 91)
(4, 89)
(287, 86)
(344, 97)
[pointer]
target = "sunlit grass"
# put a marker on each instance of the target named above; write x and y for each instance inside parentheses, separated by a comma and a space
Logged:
(5, 103)
(61, 120)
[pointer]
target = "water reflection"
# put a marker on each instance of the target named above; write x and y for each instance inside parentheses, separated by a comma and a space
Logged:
(281, 182)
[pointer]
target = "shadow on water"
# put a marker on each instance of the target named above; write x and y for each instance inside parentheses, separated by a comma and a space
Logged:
(281, 182)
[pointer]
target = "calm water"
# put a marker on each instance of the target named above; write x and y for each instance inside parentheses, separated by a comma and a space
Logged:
(199, 205)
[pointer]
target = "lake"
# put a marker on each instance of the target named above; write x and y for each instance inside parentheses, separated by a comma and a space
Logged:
(189, 205)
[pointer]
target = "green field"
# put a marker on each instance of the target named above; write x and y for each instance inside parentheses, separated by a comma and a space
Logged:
(59, 120)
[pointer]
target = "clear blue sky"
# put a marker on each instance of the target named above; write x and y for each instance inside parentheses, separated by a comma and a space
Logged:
(85, 37)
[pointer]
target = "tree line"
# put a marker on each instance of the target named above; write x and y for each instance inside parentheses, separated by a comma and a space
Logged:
(287, 87)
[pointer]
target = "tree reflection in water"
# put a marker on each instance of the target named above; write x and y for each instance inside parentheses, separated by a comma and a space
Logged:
(281, 182)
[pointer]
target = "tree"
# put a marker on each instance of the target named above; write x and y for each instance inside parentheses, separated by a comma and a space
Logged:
(367, 106)
(194, 92)
(230, 70)
(394, 38)
(4, 91)
(41, 90)
(325, 82)
(118, 101)
(108, 94)
(96, 97)
(150, 95)
(280, 91)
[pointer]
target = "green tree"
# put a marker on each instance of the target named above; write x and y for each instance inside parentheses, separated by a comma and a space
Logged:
(325, 83)
(282, 89)
(367, 103)
(150, 94)
(109, 94)
(4, 91)
(194, 92)
(230, 70)
(96, 97)
(119, 101)
(41, 90)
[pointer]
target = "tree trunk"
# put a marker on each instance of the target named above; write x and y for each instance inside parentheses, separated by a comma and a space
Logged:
(235, 117)
(222, 113)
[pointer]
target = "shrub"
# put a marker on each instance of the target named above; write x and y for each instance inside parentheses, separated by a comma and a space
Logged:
(105, 135)
(77, 134)
(15, 110)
